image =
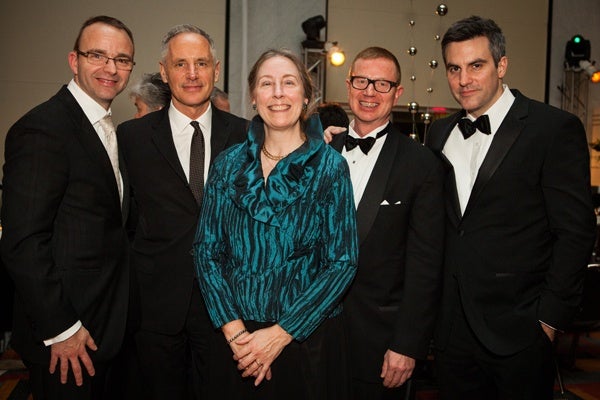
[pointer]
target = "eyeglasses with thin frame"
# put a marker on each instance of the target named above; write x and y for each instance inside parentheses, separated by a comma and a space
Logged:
(380, 85)
(122, 63)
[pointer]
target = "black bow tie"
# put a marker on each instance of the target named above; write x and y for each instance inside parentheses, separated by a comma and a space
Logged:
(467, 127)
(365, 144)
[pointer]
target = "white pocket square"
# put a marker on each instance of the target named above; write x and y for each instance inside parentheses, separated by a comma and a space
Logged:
(387, 203)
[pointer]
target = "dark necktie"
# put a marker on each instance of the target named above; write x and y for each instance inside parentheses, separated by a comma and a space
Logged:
(468, 127)
(365, 144)
(197, 163)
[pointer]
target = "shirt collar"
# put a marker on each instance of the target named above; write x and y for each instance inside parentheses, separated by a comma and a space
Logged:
(499, 109)
(180, 121)
(92, 110)
(373, 133)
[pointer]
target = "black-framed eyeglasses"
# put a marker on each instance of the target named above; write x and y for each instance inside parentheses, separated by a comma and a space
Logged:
(122, 63)
(380, 85)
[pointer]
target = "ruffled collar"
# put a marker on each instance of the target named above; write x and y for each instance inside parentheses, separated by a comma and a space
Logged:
(288, 180)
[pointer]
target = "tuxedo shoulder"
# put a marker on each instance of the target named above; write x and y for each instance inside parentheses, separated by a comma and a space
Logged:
(138, 126)
(417, 149)
(49, 116)
(549, 112)
(230, 118)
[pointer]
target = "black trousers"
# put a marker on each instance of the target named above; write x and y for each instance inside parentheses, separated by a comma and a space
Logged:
(467, 370)
(376, 391)
(46, 386)
(174, 367)
(310, 370)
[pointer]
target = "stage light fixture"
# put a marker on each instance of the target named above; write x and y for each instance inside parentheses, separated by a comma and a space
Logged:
(312, 29)
(591, 70)
(578, 49)
(335, 54)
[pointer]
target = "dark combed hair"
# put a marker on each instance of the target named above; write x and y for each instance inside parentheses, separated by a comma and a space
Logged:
(333, 114)
(473, 27)
(103, 19)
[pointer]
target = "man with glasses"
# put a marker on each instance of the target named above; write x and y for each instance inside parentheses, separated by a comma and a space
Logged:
(391, 305)
(64, 206)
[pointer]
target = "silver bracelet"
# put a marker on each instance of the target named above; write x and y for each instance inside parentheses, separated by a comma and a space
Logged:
(237, 335)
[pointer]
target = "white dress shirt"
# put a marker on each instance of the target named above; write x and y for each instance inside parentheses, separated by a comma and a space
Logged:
(467, 155)
(361, 165)
(182, 136)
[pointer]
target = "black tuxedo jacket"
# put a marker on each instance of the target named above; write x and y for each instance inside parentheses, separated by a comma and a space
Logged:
(518, 253)
(64, 241)
(167, 213)
(393, 300)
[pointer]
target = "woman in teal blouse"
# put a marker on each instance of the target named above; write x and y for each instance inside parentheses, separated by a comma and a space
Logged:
(277, 247)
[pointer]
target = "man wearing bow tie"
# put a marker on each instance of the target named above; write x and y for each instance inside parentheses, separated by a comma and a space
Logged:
(391, 306)
(519, 226)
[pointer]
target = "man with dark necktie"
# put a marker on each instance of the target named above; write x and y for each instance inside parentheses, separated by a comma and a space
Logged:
(391, 306)
(519, 226)
(168, 153)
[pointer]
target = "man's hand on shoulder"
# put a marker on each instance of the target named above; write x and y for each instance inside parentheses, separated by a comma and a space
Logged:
(396, 369)
(72, 351)
(332, 130)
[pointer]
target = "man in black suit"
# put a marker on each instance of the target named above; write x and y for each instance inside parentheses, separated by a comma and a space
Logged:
(64, 207)
(391, 305)
(519, 226)
(160, 151)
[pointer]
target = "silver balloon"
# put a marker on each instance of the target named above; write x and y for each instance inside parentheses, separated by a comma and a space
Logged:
(413, 107)
(429, 90)
(441, 10)
(412, 50)
(413, 78)
(411, 22)
(433, 64)
(437, 37)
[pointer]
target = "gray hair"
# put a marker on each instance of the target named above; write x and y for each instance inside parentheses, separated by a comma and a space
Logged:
(152, 90)
(218, 93)
(186, 28)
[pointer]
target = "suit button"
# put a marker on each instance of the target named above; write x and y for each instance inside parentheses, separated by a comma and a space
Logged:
(461, 233)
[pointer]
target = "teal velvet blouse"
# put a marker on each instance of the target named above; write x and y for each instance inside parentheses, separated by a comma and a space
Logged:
(284, 251)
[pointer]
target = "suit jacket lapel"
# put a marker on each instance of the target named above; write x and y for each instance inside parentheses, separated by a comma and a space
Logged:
(373, 195)
(507, 133)
(436, 143)
(220, 133)
(163, 139)
(125, 177)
